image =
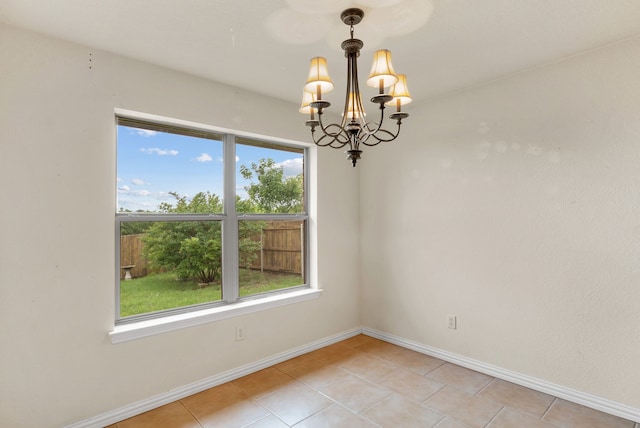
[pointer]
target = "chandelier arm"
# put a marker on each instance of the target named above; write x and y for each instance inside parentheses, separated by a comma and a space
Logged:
(334, 143)
(345, 109)
(357, 102)
(337, 139)
(326, 130)
(353, 111)
(377, 125)
(378, 136)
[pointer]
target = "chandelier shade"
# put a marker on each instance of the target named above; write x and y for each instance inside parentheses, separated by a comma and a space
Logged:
(307, 98)
(382, 74)
(400, 93)
(354, 131)
(319, 81)
(353, 110)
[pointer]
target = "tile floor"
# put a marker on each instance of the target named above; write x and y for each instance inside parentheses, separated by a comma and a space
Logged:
(365, 382)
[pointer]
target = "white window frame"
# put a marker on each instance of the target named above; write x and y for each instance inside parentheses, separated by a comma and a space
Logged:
(138, 326)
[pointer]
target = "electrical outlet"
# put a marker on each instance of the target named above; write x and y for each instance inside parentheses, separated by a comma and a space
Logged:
(452, 322)
(239, 333)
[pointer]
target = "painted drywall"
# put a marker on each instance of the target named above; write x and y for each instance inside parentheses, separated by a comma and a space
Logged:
(57, 169)
(515, 206)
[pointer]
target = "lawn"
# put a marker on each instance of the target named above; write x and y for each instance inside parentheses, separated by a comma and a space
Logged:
(162, 291)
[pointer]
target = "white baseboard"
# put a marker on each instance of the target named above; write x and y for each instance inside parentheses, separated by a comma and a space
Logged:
(151, 403)
(560, 391)
(587, 400)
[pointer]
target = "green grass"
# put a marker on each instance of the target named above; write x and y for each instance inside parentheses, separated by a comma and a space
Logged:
(254, 282)
(162, 291)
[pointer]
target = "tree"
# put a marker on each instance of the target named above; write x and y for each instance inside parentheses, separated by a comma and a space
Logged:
(248, 230)
(202, 202)
(133, 227)
(193, 249)
(273, 192)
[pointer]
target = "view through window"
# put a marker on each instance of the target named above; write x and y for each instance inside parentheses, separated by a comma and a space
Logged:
(205, 218)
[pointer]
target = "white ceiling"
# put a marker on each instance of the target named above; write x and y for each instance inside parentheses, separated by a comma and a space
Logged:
(265, 45)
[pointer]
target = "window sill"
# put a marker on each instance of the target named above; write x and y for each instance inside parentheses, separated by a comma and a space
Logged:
(138, 330)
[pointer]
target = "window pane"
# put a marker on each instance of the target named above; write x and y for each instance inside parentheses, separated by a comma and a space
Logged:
(169, 264)
(271, 254)
(160, 171)
(269, 178)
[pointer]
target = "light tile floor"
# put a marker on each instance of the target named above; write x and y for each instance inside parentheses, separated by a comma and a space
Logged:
(365, 382)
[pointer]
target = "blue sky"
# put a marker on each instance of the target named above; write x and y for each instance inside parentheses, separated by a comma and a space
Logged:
(151, 164)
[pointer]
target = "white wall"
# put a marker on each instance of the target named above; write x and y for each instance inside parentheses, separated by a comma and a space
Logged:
(516, 206)
(57, 169)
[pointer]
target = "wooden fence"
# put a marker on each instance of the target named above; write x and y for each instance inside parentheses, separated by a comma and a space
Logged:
(131, 255)
(281, 250)
(281, 247)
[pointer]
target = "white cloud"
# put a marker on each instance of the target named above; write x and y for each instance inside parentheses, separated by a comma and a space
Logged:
(138, 182)
(133, 193)
(118, 179)
(146, 132)
(204, 157)
(159, 152)
(291, 167)
(237, 158)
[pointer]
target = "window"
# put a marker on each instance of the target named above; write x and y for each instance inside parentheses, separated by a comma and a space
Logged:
(205, 219)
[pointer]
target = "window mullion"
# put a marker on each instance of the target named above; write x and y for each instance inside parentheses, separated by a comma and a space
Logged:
(230, 278)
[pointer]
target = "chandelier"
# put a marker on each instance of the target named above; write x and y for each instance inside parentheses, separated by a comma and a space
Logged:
(354, 130)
